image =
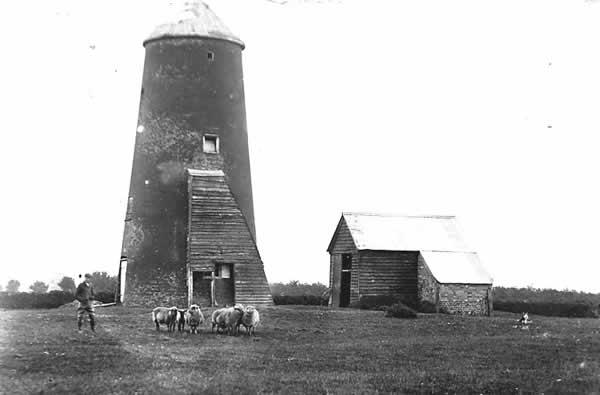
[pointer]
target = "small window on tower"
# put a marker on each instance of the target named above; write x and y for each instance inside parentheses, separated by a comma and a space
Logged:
(210, 144)
(211, 56)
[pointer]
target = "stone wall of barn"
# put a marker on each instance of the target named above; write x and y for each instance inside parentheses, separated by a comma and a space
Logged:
(464, 299)
(427, 286)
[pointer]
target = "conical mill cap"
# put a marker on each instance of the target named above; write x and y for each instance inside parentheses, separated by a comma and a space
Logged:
(196, 20)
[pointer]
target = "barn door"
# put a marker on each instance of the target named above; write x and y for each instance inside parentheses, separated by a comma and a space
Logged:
(346, 280)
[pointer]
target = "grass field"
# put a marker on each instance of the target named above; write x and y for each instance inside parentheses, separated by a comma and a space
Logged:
(299, 349)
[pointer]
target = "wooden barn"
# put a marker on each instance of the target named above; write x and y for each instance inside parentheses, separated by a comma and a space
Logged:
(415, 259)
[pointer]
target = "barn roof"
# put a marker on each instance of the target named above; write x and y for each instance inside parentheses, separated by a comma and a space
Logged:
(196, 20)
(436, 237)
(404, 233)
(456, 267)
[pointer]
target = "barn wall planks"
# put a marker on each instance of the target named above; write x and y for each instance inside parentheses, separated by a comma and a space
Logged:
(389, 273)
(343, 242)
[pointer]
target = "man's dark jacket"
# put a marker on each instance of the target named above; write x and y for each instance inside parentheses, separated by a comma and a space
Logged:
(85, 293)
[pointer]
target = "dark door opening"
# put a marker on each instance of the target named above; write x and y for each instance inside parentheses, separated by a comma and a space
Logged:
(202, 288)
(346, 280)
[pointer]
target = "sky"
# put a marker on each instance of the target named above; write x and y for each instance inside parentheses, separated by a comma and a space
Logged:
(486, 110)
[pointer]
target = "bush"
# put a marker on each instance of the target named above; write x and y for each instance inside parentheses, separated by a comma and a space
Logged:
(296, 292)
(377, 302)
(399, 310)
(426, 306)
(25, 300)
(531, 294)
(300, 299)
(549, 302)
(105, 296)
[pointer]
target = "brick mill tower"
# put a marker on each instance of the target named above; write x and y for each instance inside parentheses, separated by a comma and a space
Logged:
(189, 229)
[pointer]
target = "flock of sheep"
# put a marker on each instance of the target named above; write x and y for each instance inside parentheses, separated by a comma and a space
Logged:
(226, 320)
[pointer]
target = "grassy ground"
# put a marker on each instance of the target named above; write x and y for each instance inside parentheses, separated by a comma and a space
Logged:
(299, 349)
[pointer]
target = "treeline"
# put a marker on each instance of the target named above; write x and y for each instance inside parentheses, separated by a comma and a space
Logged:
(295, 292)
(39, 297)
(549, 302)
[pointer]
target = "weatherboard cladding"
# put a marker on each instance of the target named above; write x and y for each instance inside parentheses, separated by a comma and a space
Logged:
(218, 233)
(389, 273)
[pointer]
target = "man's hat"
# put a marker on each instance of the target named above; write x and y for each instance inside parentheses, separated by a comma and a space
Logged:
(87, 275)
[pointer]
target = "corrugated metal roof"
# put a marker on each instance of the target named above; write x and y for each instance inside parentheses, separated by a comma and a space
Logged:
(456, 267)
(404, 233)
(197, 20)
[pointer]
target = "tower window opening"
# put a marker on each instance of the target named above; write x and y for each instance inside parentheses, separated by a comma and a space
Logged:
(211, 56)
(210, 144)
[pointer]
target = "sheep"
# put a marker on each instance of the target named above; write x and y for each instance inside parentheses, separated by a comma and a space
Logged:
(250, 319)
(181, 319)
(194, 318)
(214, 320)
(165, 315)
(228, 318)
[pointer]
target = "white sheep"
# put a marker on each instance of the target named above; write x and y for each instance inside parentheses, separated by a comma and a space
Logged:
(194, 317)
(250, 319)
(165, 315)
(214, 317)
(228, 318)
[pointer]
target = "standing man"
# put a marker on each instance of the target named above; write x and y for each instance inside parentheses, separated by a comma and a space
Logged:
(85, 295)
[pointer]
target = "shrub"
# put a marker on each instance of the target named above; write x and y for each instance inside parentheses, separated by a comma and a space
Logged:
(296, 292)
(297, 288)
(25, 300)
(399, 310)
(105, 296)
(426, 306)
(300, 299)
(549, 302)
(531, 294)
(377, 302)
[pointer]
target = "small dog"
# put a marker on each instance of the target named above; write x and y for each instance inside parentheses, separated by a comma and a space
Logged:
(524, 320)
